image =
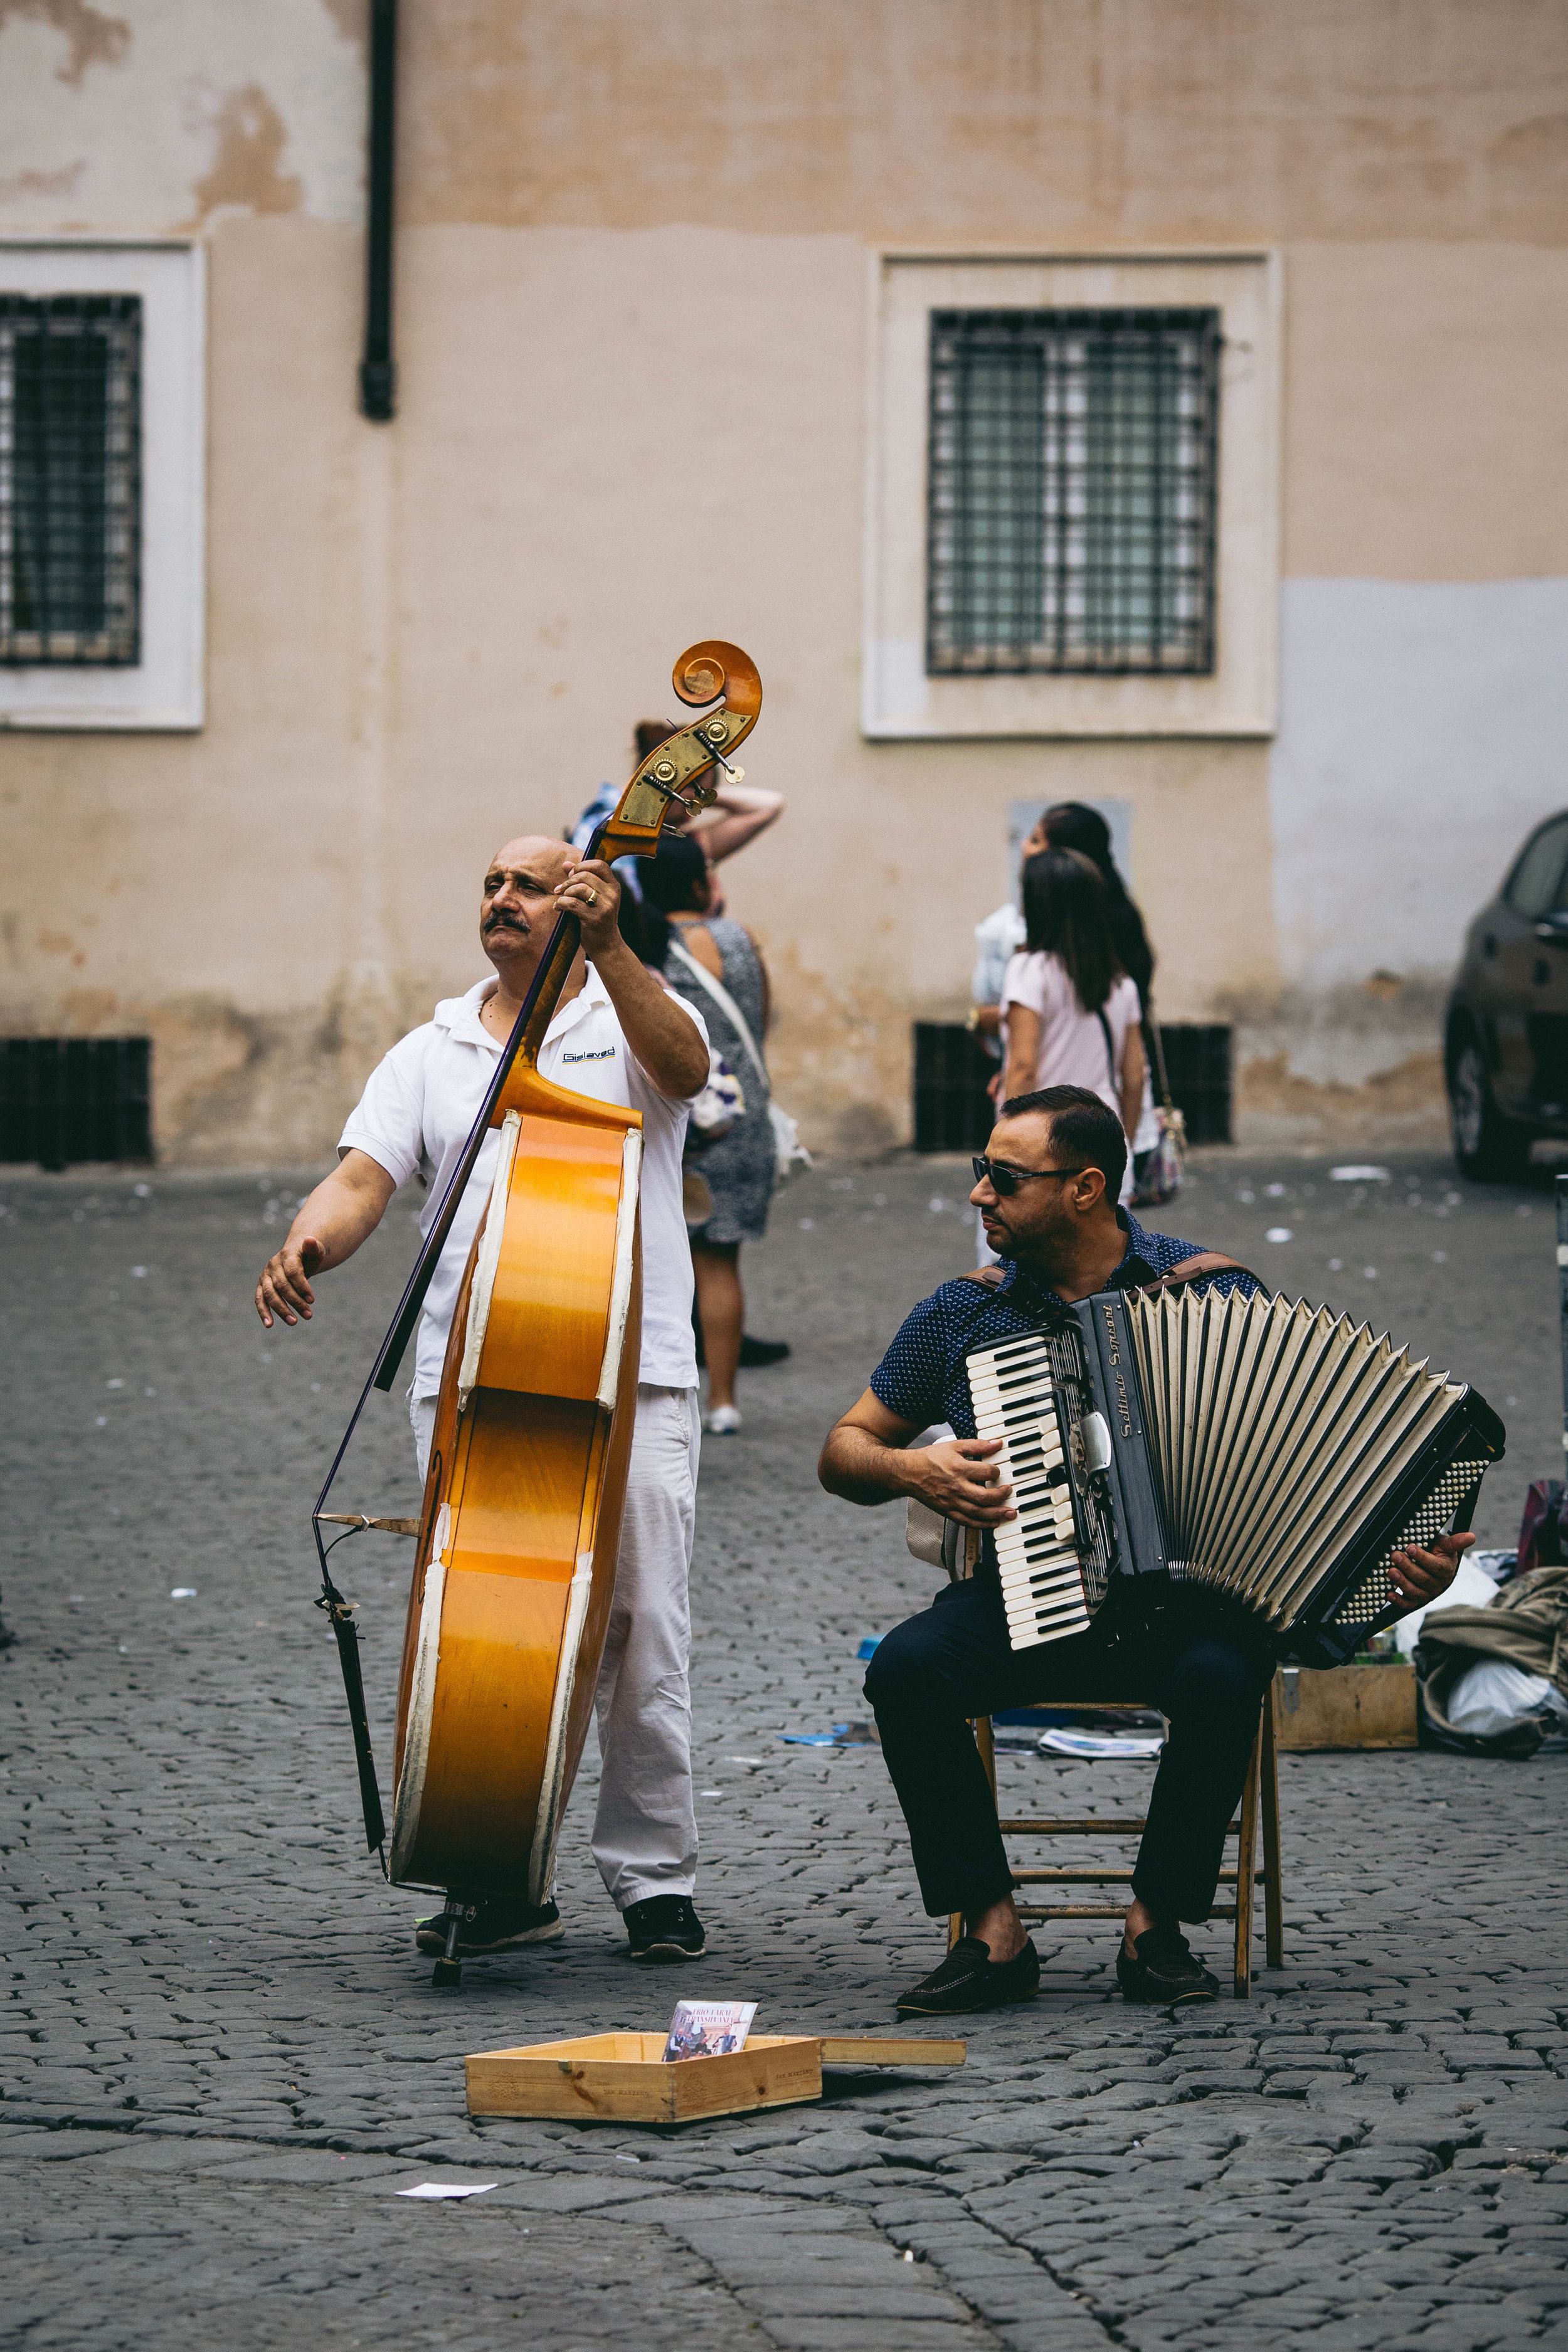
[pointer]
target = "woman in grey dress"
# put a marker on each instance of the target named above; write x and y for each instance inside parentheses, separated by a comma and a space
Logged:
(739, 1168)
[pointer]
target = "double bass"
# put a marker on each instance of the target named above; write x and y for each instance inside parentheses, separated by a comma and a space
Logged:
(519, 1527)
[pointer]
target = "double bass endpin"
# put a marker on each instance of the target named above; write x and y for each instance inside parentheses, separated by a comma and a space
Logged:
(447, 1976)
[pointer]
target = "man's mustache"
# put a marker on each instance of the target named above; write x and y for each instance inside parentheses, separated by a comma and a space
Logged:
(501, 922)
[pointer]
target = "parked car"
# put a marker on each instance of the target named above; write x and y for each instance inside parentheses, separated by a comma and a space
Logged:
(1506, 1038)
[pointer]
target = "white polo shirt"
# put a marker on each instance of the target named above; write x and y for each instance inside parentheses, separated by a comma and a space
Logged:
(423, 1098)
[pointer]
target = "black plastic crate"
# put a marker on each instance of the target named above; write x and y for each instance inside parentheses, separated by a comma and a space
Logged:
(952, 1110)
(64, 1099)
(1197, 1063)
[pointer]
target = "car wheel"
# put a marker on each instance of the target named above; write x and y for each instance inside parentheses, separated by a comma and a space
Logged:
(1486, 1146)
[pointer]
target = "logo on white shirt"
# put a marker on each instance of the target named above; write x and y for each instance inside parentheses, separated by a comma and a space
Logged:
(599, 1054)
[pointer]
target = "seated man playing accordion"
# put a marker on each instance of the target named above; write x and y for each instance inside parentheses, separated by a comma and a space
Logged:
(1046, 1193)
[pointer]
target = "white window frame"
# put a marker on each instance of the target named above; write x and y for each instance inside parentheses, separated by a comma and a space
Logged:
(164, 689)
(898, 700)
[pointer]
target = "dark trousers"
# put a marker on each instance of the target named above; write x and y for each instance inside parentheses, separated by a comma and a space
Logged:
(1204, 1668)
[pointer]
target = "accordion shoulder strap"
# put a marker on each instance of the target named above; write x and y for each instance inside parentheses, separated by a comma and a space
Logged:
(1202, 1266)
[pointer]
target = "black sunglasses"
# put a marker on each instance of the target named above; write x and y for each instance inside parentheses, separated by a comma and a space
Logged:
(1005, 1180)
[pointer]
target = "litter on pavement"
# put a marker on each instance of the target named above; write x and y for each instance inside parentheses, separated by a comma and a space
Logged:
(1491, 1698)
(843, 1734)
(1490, 1669)
(1139, 1746)
(442, 2190)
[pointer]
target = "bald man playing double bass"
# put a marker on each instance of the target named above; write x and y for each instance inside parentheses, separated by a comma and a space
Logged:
(621, 1037)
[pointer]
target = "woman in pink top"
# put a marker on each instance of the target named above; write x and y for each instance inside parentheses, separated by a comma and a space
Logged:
(1070, 1013)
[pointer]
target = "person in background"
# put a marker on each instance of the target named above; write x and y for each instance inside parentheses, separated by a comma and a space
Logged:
(740, 813)
(1070, 1012)
(1070, 825)
(739, 1170)
(997, 941)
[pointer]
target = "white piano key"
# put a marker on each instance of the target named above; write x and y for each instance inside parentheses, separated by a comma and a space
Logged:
(1023, 1592)
(1047, 1629)
(1020, 1636)
(1045, 1606)
(1013, 1588)
(1069, 1611)
(1039, 1545)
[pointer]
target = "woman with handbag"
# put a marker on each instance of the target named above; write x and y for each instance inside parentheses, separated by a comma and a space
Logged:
(1160, 1138)
(713, 962)
(1070, 1012)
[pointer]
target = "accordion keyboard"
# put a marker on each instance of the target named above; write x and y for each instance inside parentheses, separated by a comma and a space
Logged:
(1016, 1397)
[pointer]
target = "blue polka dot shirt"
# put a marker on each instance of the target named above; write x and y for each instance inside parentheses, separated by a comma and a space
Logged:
(921, 1376)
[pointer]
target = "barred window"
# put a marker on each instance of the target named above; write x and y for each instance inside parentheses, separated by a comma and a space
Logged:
(1072, 491)
(70, 490)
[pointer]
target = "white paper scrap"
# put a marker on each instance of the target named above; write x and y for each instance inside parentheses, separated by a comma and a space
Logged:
(445, 2189)
(1142, 1745)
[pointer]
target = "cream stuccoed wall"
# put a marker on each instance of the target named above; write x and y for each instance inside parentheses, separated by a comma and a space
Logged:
(632, 328)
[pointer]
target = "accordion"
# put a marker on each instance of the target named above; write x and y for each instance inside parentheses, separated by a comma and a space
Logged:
(1257, 1448)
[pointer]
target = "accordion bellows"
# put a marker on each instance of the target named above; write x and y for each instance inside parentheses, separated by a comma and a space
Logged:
(1270, 1450)
(1278, 1431)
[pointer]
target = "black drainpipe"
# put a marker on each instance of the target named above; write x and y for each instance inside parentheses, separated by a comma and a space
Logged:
(378, 371)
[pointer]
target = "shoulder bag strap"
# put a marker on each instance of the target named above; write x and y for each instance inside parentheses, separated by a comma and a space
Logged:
(726, 1003)
(1152, 1031)
(1109, 1048)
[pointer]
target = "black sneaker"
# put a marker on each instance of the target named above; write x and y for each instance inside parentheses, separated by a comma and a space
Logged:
(1165, 1970)
(969, 1979)
(755, 1353)
(664, 1927)
(499, 1927)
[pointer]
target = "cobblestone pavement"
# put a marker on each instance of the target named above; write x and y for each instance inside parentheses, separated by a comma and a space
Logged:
(222, 2056)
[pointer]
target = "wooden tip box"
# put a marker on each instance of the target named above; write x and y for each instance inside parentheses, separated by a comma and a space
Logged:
(1345, 1707)
(622, 2077)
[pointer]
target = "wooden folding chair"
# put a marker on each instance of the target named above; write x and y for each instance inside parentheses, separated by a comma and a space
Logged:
(1262, 1780)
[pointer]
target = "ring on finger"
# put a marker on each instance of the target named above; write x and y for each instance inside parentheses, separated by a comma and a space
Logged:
(593, 897)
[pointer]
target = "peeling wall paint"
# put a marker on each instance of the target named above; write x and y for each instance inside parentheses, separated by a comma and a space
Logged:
(143, 105)
(249, 137)
(91, 37)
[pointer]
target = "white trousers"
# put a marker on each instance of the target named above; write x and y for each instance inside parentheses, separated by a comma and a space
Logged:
(645, 1831)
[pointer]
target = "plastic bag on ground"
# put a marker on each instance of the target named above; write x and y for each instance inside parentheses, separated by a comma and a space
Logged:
(1490, 1698)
